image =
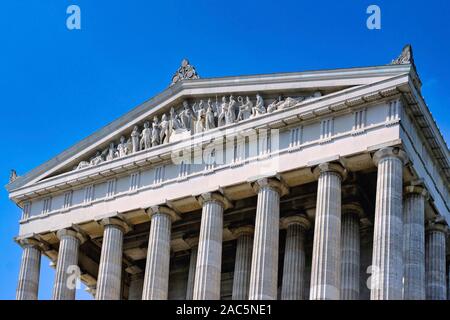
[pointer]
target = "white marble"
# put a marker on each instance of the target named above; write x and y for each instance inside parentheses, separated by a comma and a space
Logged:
(28, 285)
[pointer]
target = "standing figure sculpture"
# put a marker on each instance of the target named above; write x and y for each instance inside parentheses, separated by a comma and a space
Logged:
(259, 108)
(199, 124)
(146, 137)
(164, 132)
(231, 114)
(209, 117)
(245, 109)
(135, 139)
(155, 132)
(111, 152)
(174, 121)
(223, 111)
(187, 117)
(122, 147)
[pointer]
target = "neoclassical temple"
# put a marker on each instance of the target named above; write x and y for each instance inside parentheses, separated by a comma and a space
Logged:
(330, 184)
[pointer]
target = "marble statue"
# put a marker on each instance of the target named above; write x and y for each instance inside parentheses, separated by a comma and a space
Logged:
(245, 109)
(209, 117)
(199, 123)
(223, 111)
(135, 139)
(155, 132)
(259, 108)
(289, 102)
(97, 159)
(83, 164)
(146, 137)
(111, 152)
(187, 117)
(230, 116)
(123, 147)
(164, 132)
(174, 121)
(273, 106)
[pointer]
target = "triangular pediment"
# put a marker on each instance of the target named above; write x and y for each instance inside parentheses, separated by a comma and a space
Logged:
(278, 91)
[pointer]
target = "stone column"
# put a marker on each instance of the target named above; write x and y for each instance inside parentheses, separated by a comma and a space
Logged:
(28, 285)
(67, 260)
(293, 283)
(326, 263)
(110, 268)
(193, 243)
(209, 259)
(387, 258)
(350, 251)
(136, 286)
(243, 262)
(435, 275)
(156, 281)
(264, 272)
(414, 243)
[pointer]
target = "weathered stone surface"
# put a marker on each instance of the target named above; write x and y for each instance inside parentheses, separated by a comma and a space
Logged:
(436, 286)
(264, 272)
(293, 281)
(326, 263)
(243, 263)
(28, 285)
(67, 261)
(414, 243)
(387, 259)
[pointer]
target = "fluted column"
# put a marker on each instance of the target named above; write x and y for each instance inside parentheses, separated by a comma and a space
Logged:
(243, 262)
(193, 243)
(156, 282)
(67, 258)
(110, 268)
(28, 285)
(264, 272)
(326, 263)
(136, 286)
(209, 259)
(414, 243)
(436, 287)
(293, 283)
(350, 251)
(387, 258)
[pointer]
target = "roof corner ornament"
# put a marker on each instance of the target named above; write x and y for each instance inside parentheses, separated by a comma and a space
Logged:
(13, 176)
(406, 57)
(186, 71)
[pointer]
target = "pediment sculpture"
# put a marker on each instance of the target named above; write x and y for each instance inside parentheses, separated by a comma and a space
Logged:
(187, 120)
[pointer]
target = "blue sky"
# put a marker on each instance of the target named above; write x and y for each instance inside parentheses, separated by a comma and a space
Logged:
(57, 86)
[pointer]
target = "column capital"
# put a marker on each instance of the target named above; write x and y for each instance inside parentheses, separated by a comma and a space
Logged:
(151, 211)
(273, 183)
(116, 221)
(243, 231)
(432, 225)
(214, 196)
(393, 152)
(67, 232)
(330, 167)
(353, 208)
(32, 242)
(416, 187)
(300, 219)
(192, 241)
